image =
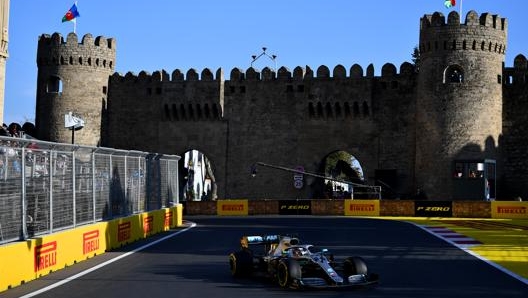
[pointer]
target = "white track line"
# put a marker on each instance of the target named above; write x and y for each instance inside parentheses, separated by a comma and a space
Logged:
(73, 277)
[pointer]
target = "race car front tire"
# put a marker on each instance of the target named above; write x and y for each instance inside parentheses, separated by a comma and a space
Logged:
(354, 265)
(287, 272)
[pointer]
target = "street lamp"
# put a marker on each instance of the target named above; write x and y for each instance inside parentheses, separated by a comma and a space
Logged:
(271, 57)
(74, 123)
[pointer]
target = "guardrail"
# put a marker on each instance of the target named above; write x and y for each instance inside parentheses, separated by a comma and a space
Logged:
(46, 187)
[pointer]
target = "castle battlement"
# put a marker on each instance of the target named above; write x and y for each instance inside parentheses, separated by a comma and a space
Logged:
(437, 19)
(56, 39)
(54, 50)
(484, 33)
(520, 62)
(388, 71)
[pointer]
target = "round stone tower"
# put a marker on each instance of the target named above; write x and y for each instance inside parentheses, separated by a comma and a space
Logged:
(459, 96)
(72, 78)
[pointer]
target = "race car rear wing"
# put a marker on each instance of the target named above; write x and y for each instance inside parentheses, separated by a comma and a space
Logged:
(268, 240)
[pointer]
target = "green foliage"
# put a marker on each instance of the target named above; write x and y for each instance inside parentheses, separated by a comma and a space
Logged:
(416, 58)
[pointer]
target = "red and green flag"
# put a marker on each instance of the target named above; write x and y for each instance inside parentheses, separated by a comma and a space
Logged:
(449, 3)
(71, 14)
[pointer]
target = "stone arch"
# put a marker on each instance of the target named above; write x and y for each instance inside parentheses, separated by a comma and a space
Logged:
(343, 173)
(454, 74)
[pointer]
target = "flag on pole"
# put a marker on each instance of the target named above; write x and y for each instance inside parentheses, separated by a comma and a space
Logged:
(449, 3)
(71, 14)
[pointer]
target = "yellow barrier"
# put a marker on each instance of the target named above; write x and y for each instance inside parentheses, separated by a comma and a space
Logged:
(232, 207)
(362, 207)
(33, 258)
(507, 209)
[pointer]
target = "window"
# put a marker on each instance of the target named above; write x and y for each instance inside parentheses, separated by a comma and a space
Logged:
(453, 74)
(471, 170)
(459, 170)
(475, 170)
(54, 85)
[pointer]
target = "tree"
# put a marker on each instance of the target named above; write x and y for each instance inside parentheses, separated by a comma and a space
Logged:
(416, 58)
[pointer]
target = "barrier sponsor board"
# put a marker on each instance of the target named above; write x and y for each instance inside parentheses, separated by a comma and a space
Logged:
(167, 222)
(45, 256)
(295, 207)
(232, 207)
(90, 241)
(23, 261)
(148, 224)
(506, 209)
(362, 207)
(433, 208)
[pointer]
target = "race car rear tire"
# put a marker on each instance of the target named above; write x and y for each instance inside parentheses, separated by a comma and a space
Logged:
(241, 263)
(287, 272)
(354, 265)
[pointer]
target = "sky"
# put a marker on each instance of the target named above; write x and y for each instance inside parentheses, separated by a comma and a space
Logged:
(181, 34)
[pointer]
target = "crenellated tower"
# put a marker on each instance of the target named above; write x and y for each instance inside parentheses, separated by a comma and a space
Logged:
(459, 99)
(73, 77)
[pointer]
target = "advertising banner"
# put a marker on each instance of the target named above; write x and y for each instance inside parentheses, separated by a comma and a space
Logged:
(362, 207)
(433, 208)
(232, 207)
(507, 209)
(295, 207)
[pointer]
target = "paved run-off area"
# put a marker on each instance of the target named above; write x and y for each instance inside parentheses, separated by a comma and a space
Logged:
(501, 242)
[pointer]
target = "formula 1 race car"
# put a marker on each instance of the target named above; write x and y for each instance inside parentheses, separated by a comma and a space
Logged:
(294, 265)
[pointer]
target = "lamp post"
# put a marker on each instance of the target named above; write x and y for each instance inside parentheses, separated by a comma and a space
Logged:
(74, 123)
(271, 57)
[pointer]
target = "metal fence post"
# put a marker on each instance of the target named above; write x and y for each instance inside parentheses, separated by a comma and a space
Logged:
(74, 187)
(94, 202)
(24, 231)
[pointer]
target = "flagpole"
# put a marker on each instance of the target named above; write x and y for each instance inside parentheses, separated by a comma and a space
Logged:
(75, 20)
(460, 9)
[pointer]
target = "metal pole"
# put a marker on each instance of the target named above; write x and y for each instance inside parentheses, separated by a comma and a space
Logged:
(94, 202)
(317, 176)
(24, 231)
(74, 181)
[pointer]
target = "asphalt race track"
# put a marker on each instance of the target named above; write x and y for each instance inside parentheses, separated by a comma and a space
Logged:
(410, 261)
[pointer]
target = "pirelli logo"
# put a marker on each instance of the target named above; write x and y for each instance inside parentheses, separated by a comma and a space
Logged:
(148, 224)
(168, 219)
(511, 210)
(124, 231)
(362, 207)
(45, 256)
(90, 241)
(233, 207)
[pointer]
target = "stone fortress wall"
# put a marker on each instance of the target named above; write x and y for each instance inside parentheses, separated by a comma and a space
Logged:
(407, 122)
